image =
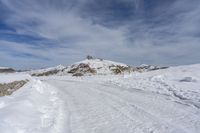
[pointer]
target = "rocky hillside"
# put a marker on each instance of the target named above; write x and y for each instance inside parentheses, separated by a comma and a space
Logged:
(97, 66)
(146, 68)
(48, 71)
(6, 70)
(93, 66)
(9, 88)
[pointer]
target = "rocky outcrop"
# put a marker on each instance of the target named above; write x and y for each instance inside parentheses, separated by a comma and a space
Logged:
(96, 66)
(93, 66)
(7, 70)
(81, 69)
(9, 88)
(48, 71)
(145, 68)
(121, 69)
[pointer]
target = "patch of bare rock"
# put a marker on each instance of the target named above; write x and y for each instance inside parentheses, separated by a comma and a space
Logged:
(9, 88)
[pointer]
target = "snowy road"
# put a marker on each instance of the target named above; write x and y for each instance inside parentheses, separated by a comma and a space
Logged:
(105, 108)
(163, 101)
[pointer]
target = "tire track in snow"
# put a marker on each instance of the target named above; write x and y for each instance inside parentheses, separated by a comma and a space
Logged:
(181, 98)
(180, 114)
(93, 114)
(92, 103)
(148, 122)
(54, 113)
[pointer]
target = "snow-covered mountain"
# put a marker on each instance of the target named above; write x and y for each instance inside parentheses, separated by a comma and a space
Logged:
(97, 67)
(93, 66)
(47, 71)
(85, 67)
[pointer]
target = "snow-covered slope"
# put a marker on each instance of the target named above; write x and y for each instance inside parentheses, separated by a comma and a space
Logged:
(47, 71)
(146, 68)
(182, 82)
(93, 66)
(101, 63)
(85, 67)
(96, 66)
(163, 101)
(35, 108)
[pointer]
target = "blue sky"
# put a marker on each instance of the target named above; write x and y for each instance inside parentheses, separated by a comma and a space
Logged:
(41, 33)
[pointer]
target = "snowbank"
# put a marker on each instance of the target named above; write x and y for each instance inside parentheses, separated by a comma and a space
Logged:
(10, 77)
(32, 109)
(182, 82)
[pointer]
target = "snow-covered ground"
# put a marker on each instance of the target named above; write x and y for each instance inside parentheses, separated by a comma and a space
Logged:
(163, 101)
(10, 77)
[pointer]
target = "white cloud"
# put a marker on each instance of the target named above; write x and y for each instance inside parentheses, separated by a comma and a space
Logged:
(135, 42)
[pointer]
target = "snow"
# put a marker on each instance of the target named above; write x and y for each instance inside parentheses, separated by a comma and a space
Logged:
(167, 82)
(10, 77)
(32, 109)
(59, 67)
(162, 101)
(95, 63)
(3, 67)
(101, 66)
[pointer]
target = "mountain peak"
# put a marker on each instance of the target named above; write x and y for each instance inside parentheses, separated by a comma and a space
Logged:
(96, 66)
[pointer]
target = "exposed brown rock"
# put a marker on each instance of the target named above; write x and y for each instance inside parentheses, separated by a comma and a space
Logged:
(120, 69)
(52, 72)
(78, 74)
(9, 88)
(82, 68)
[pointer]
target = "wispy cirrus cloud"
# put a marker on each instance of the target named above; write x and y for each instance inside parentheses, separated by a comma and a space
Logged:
(132, 31)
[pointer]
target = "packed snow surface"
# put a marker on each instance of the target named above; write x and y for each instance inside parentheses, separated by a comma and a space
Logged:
(163, 101)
